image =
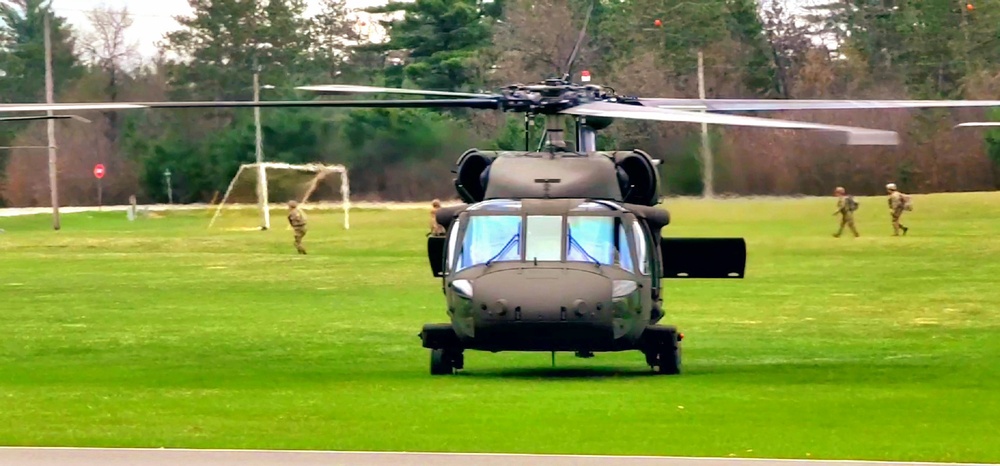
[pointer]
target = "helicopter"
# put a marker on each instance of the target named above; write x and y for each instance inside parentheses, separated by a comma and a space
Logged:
(559, 248)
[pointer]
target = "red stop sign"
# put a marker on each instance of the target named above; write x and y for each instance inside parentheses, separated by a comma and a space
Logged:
(99, 171)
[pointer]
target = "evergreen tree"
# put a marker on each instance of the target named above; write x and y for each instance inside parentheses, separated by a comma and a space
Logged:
(22, 51)
(441, 39)
(22, 59)
(224, 41)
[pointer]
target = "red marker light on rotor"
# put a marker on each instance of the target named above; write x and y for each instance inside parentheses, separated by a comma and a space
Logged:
(585, 76)
(658, 23)
(968, 6)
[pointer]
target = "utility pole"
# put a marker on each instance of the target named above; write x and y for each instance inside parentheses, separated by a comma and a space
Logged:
(706, 150)
(49, 98)
(261, 173)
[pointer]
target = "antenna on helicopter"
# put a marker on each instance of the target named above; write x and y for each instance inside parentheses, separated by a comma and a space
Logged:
(579, 41)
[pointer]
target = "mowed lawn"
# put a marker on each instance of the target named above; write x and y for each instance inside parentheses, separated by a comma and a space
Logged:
(164, 333)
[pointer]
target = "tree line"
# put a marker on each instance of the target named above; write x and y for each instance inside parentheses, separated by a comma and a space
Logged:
(852, 49)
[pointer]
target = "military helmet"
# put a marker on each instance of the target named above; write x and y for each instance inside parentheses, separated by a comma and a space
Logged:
(891, 186)
(840, 190)
(293, 204)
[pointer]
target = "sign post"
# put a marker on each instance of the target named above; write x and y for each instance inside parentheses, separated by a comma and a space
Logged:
(99, 173)
(170, 191)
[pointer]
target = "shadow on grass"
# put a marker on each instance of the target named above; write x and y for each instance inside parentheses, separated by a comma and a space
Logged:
(556, 373)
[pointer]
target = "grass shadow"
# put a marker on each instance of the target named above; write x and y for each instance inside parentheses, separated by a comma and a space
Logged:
(556, 373)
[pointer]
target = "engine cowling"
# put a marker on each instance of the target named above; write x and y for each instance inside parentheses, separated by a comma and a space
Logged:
(472, 169)
(641, 183)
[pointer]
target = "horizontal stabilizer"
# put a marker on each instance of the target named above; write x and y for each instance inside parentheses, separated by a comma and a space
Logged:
(703, 257)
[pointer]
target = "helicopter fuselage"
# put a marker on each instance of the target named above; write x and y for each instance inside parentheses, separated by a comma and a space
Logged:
(549, 275)
(562, 251)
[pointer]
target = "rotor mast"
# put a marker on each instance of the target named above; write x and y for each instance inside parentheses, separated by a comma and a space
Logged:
(556, 92)
(554, 138)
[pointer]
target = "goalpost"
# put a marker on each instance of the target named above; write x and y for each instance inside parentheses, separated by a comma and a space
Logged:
(320, 172)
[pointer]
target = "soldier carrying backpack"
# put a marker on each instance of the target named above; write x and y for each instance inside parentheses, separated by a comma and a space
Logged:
(898, 202)
(846, 205)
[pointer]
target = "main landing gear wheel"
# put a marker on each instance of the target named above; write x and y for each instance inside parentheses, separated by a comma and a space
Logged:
(665, 354)
(445, 362)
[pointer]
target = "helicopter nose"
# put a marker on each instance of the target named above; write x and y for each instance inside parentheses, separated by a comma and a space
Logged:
(527, 307)
(544, 296)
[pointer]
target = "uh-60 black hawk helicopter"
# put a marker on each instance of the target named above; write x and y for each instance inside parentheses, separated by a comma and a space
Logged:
(559, 248)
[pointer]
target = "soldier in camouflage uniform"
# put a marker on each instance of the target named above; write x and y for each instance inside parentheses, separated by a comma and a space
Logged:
(845, 208)
(436, 228)
(297, 219)
(897, 204)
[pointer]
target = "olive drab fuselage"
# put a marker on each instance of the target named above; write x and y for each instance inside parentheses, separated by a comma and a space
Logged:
(562, 251)
(565, 300)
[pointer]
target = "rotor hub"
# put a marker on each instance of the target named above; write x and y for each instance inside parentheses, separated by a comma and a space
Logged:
(555, 95)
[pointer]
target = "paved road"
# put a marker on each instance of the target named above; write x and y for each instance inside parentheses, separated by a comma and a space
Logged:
(169, 457)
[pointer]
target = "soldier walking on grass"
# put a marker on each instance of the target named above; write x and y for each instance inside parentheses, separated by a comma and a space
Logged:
(846, 205)
(898, 202)
(297, 219)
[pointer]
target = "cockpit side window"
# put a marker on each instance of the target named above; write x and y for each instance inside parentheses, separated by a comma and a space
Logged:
(642, 248)
(452, 240)
(624, 250)
(490, 238)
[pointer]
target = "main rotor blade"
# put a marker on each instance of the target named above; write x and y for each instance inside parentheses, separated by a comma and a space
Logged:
(753, 105)
(46, 117)
(973, 124)
(845, 134)
(353, 89)
(435, 103)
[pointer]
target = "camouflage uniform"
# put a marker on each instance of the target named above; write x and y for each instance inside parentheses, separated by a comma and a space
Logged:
(896, 207)
(846, 214)
(297, 219)
(436, 228)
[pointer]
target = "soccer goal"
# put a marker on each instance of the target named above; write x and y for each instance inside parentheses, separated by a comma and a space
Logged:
(284, 182)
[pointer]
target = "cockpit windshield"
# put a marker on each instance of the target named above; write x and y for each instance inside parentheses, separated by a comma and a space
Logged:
(490, 238)
(574, 238)
(593, 239)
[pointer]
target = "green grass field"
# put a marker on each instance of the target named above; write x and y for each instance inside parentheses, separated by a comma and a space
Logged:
(162, 333)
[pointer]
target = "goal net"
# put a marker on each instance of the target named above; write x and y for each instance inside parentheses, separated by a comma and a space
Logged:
(259, 184)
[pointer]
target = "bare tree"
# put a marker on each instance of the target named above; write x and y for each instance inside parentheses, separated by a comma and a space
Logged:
(105, 46)
(789, 40)
(537, 39)
(332, 32)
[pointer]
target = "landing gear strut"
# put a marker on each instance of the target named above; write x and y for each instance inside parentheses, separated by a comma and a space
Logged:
(446, 350)
(446, 361)
(663, 349)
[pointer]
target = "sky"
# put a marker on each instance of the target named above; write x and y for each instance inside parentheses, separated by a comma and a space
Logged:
(152, 19)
